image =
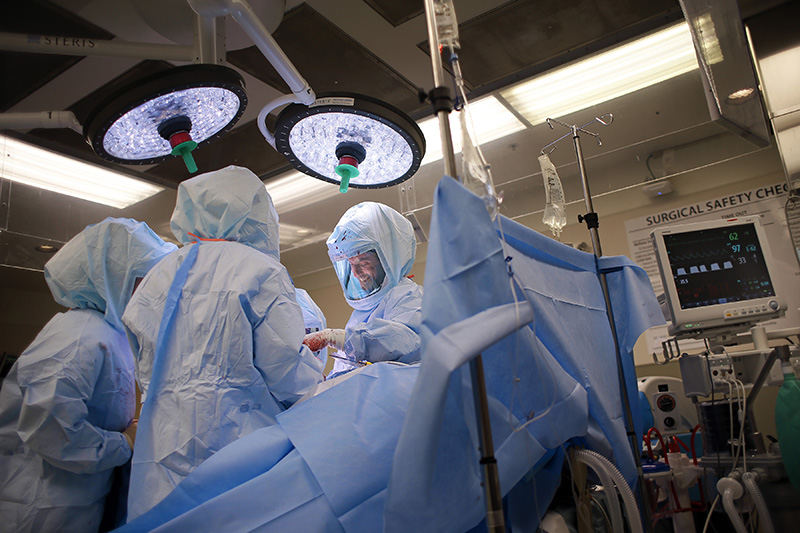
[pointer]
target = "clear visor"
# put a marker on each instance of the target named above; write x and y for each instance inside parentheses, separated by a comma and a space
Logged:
(360, 275)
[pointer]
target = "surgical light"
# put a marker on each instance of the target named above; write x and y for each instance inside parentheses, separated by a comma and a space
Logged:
(630, 67)
(169, 113)
(25, 163)
(351, 140)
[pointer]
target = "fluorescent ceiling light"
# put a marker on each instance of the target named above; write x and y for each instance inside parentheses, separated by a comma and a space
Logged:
(630, 67)
(492, 120)
(37, 167)
(294, 189)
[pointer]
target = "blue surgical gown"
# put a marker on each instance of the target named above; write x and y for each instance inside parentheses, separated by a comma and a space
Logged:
(71, 392)
(385, 325)
(62, 408)
(233, 360)
(389, 332)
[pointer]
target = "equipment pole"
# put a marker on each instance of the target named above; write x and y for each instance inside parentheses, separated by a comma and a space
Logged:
(440, 95)
(592, 223)
(442, 105)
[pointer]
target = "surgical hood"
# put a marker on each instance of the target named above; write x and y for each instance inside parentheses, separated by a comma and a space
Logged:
(372, 226)
(98, 267)
(230, 204)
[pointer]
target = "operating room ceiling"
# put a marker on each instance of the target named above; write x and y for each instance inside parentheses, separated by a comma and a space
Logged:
(374, 47)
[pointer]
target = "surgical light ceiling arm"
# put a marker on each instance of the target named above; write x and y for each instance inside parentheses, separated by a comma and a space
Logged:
(244, 15)
(207, 10)
(40, 119)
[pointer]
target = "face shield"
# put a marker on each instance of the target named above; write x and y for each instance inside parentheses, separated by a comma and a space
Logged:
(360, 273)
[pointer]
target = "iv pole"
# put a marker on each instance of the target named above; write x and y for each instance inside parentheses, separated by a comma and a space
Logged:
(442, 105)
(592, 223)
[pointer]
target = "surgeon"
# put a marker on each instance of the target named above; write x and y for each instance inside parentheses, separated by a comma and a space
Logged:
(217, 333)
(372, 249)
(313, 317)
(67, 405)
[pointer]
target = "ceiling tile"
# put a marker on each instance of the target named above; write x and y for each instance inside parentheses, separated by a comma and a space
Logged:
(396, 12)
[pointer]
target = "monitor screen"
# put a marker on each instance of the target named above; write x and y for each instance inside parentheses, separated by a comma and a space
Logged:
(718, 265)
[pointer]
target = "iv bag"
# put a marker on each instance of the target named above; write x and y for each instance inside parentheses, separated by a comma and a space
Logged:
(555, 210)
(446, 23)
(476, 174)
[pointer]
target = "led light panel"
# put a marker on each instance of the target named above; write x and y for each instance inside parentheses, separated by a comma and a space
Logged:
(37, 167)
(123, 126)
(135, 134)
(314, 139)
(309, 135)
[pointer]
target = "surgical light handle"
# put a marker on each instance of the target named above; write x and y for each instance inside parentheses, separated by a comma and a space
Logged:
(40, 119)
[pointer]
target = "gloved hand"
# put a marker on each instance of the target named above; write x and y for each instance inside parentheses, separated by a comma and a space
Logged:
(130, 432)
(326, 337)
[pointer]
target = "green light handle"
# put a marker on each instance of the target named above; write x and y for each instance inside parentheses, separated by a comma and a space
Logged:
(344, 184)
(184, 150)
(346, 172)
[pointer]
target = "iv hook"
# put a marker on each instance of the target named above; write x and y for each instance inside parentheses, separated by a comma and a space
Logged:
(605, 119)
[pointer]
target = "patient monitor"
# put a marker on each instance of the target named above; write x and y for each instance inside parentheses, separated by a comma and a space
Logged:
(716, 276)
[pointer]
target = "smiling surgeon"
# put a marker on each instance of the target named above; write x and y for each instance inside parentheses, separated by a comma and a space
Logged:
(372, 249)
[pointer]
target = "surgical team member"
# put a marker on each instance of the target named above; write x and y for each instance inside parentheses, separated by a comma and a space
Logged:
(372, 248)
(67, 405)
(313, 318)
(217, 333)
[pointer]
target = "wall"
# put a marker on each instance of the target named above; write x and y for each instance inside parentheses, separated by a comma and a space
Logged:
(25, 306)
